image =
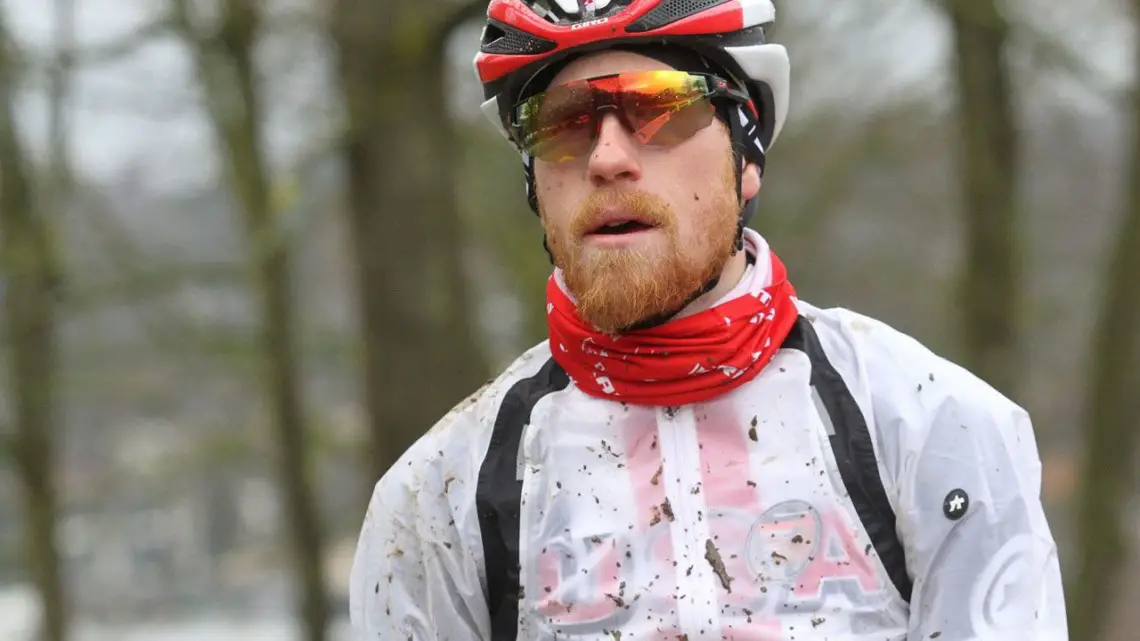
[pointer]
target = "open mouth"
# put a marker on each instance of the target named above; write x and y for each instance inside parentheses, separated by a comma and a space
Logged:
(619, 227)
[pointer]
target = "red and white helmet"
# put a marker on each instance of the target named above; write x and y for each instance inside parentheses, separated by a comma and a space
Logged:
(521, 38)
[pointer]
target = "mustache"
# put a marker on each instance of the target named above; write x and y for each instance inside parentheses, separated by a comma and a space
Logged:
(638, 204)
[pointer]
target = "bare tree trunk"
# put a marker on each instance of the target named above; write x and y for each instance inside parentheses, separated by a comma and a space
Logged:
(58, 99)
(30, 275)
(226, 69)
(1122, 619)
(419, 352)
(1111, 416)
(988, 161)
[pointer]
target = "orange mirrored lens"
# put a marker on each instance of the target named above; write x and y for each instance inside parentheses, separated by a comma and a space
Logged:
(658, 107)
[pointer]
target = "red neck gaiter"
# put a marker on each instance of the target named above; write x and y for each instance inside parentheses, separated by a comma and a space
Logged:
(687, 360)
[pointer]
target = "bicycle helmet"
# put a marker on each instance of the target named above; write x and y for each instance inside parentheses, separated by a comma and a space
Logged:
(523, 38)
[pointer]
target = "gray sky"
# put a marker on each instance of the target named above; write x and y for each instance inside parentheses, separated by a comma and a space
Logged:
(139, 115)
(107, 137)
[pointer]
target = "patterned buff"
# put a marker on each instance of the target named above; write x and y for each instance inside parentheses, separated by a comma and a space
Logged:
(688, 360)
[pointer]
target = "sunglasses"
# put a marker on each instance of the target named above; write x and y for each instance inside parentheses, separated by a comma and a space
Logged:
(659, 108)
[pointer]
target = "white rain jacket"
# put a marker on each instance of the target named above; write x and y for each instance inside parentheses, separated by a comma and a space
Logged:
(859, 488)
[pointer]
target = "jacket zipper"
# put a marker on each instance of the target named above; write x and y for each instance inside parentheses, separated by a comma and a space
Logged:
(696, 599)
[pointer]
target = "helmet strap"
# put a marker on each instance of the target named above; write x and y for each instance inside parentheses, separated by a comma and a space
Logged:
(744, 132)
(531, 190)
(532, 200)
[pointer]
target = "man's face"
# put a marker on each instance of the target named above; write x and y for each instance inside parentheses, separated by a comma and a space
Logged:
(683, 199)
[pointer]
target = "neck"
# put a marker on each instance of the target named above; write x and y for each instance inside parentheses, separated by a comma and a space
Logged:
(729, 278)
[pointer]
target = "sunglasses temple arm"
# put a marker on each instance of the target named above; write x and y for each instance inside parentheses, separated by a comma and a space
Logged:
(651, 128)
(646, 133)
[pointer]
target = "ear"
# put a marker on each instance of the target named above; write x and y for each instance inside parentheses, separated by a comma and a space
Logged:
(750, 181)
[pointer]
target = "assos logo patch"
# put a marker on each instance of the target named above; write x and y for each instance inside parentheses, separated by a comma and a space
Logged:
(588, 24)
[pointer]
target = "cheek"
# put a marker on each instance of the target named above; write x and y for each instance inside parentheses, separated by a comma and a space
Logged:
(689, 181)
(551, 184)
(550, 177)
(707, 208)
(551, 188)
(551, 208)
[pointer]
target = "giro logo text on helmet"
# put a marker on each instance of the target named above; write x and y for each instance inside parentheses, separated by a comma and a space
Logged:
(592, 23)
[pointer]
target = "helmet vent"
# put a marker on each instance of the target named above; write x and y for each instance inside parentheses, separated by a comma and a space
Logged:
(564, 12)
(502, 39)
(671, 11)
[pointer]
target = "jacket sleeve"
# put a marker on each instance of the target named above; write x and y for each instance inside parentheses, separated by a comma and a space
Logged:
(979, 547)
(414, 575)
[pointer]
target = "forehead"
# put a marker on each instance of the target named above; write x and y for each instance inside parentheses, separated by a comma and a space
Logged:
(605, 63)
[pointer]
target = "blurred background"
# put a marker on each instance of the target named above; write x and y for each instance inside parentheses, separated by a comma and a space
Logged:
(250, 250)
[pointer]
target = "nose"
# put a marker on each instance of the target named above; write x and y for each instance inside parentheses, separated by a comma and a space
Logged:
(616, 155)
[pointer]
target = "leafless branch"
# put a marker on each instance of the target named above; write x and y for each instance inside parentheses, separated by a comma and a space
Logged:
(1048, 50)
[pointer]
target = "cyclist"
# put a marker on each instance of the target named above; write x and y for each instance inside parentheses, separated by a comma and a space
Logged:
(695, 453)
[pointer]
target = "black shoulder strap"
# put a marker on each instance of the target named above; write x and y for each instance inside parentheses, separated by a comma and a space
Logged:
(854, 454)
(499, 493)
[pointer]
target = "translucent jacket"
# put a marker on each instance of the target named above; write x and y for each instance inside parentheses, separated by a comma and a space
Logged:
(861, 487)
